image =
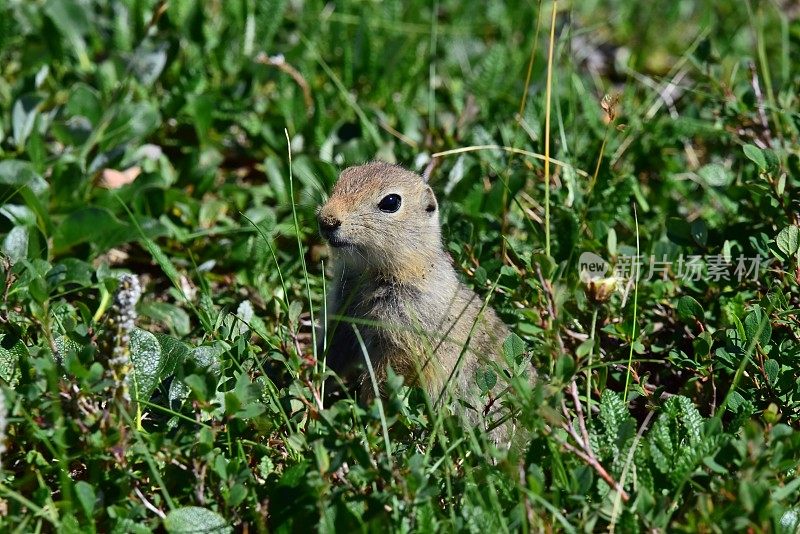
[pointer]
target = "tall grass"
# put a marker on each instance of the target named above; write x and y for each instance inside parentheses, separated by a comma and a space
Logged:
(548, 98)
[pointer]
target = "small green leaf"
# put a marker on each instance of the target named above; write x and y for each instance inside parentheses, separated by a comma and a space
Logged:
(198, 386)
(16, 173)
(148, 61)
(295, 309)
(702, 345)
(23, 118)
(206, 355)
(480, 276)
(676, 441)
(735, 401)
(86, 496)
(689, 309)
(756, 155)
(714, 466)
(611, 242)
(193, 519)
(699, 231)
(788, 240)
(69, 271)
(773, 163)
(11, 352)
(173, 352)
(244, 315)
(69, 16)
(250, 411)
(145, 357)
(38, 289)
(752, 324)
(321, 453)
(781, 185)
(84, 101)
(513, 348)
(786, 491)
(772, 369)
(715, 175)
(15, 245)
(584, 348)
(565, 367)
(65, 345)
(486, 379)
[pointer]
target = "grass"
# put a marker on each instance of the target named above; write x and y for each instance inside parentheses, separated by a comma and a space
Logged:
(190, 144)
(635, 309)
(548, 99)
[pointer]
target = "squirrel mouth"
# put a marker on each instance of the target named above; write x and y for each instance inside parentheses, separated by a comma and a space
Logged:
(338, 242)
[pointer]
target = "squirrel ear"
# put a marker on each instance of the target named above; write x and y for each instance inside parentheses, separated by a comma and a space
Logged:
(429, 200)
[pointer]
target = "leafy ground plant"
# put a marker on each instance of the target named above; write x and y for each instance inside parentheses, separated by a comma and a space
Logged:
(619, 182)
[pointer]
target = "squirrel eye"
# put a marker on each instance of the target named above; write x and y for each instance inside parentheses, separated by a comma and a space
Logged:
(389, 203)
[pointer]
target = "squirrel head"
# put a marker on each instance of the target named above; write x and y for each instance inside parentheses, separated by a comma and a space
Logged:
(383, 219)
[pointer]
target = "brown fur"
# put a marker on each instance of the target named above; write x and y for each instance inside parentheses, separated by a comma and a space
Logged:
(393, 281)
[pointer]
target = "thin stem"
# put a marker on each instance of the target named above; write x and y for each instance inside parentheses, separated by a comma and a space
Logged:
(105, 300)
(599, 160)
(549, 93)
(628, 463)
(300, 243)
(324, 331)
(432, 68)
(762, 59)
(524, 99)
(511, 150)
(751, 348)
(635, 307)
(377, 392)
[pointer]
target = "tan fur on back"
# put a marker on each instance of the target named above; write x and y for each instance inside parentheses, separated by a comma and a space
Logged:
(394, 282)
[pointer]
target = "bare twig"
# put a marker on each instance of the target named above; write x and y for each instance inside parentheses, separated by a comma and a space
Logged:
(511, 150)
(148, 504)
(430, 168)
(579, 410)
(280, 63)
(399, 135)
(315, 394)
(584, 449)
(594, 464)
(199, 469)
(568, 426)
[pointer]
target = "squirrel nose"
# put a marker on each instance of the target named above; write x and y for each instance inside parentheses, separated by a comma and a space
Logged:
(327, 225)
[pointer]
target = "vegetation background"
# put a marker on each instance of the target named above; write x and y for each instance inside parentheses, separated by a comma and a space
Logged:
(153, 138)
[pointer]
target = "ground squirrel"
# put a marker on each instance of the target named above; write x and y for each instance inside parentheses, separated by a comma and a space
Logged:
(394, 283)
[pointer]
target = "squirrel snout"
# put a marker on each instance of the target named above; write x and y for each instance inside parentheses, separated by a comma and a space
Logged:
(327, 225)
